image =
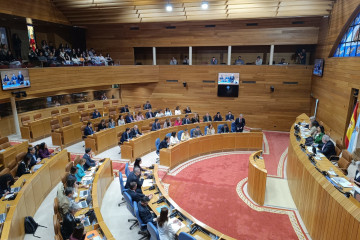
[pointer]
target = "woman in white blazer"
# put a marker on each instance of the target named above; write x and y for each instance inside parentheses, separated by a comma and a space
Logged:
(166, 229)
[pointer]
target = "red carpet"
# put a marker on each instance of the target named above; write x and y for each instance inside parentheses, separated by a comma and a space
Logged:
(207, 190)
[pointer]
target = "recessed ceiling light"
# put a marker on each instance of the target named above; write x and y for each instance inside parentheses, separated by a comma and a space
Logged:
(169, 7)
(204, 5)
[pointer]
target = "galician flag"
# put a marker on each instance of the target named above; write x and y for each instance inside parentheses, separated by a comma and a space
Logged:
(351, 127)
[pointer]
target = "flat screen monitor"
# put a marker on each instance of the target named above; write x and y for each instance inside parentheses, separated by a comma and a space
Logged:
(318, 67)
(15, 79)
(228, 79)
(228, 85)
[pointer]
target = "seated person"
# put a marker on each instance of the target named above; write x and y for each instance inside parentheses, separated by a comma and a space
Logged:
(72, 173)
(186, 120)
(217, 117)
(356, 179)
(96, 114)
(187, 110)
(135, 132)
(168, 112)
(101, 125)
(89, 162)
(207, 118)
(139, 116)
(136, 196)
(224, 129)
(165, 228)
(137, 164)
(78, 233)
(164, 143)
(197, 132)
(144, 212)
(177, 111)
(195, 119)
(320, 132)
(239, 61)
(34, 160)
(121, 120)
(149, 114)
(129, 118)
(327, 147)
(125, 109)
(213, 61)
(88, 129)
(23, 167)
(167, 123)
(240, 123)
(44, 151)
(177, 122)
(6, 181)
(313, 125)
(111, 123)
(126, 136)
(80, 170)
(156, 125)
(173, 139)
(185, 135)
(69, 221)
(147, 105)
(210, 130)
(159, 114)
(229, 117)
(134, 176)
(66, 200)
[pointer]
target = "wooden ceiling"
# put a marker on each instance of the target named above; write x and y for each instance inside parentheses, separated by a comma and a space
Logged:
(84, 12)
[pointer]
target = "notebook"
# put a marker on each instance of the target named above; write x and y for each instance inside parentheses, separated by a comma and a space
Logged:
(342, 181)
(15, 190)
(86, 222)
(83, 204)
(84, 193)
(175, 224)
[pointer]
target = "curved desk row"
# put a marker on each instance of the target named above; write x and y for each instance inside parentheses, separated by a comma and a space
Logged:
(144, 144)
(326, 212)
(257, 178)
(29, 198)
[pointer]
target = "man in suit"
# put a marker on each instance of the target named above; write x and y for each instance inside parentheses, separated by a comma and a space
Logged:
(207, 118)
(144, 212)
(65, 200)
(327, 147)
(135, 132)
(197, 132)
(134, 176)
(149, 114)
(164, 143)
(6, 80)
(147, 105)
(20, 78)
(89, 162)
(136, 196)
(96, 114)
(229, 117)
(88, 129)
(217, 117)
(125, 109)
(69, 221)
(186, 120)
(224, 129)
(129, 118)
(34, 160)
(240, 123)
(213, 61)
(126, 136)
(156, 125)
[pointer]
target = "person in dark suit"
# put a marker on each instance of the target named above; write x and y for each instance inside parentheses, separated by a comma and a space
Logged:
(101, 125)
(129, 118)
(20, 78)
(6, 181)
(126, 136)
(186, 120)
(125, 109)
(134, 176)
(156, 125)
(34, 159)
(136, 196)
(207, 118)
(229, 117)
(88, 129)
(89, 162)
(135, 132)
(195, 119)
(164, 143)
(23, 167)
(69, 221)
(356, 179)
(224, 129)
(144, 212)
(197, 132)
(96, 114)
(218, 117)
(149, 114)
(327, 147)
(187, 110)
(6, 80)
(147, 105)
(240, 123)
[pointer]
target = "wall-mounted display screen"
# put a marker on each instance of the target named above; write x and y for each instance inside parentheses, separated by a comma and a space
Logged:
(228, 78)
(15, 79)
(318, 67)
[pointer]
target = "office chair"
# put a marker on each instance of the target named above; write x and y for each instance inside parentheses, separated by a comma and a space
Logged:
(206, 128)
(179, 134)
(154, 233)
(185, 236)
(191, 132)
(122, 188)
(130, 207)
(168, 135)
(157, 144)
(127, 170)
(219, 128)
(143, 226)
(233, 127)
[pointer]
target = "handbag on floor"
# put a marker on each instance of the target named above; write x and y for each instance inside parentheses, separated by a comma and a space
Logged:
(31, 226)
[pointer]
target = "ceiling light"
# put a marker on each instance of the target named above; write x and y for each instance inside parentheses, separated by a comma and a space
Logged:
(169, 8)
(204, 5)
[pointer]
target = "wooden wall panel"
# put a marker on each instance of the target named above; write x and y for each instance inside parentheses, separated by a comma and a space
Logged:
(340, 74)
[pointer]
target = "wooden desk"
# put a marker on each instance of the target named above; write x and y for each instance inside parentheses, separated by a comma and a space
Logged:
(68, 135)
(144, 144)
(10, 153)
(180, 153)
(326, 213)
(32, 194)
(101, 141)
(36, 129)
(188, 219)
(257, 178)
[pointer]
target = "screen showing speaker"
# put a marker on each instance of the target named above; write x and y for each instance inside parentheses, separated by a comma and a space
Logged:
(318, 67)
(15, 79)
(228, 84)
(228, 78)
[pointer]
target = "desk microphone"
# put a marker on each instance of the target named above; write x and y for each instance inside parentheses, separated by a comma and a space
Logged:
(150, 188)
(159, 201)
(157, 193)
(193, 229)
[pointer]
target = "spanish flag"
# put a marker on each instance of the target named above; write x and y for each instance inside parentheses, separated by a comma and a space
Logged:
(351, 127)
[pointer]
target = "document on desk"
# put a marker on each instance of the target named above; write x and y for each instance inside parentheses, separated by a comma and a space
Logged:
(342, 181)
(147, 183)
(175, 224)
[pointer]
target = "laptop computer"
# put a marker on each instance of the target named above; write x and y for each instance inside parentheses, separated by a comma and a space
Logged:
(87, 182)
(2, 218)
(86, 222)
(15, 190)
(83, 204)
(84, 193)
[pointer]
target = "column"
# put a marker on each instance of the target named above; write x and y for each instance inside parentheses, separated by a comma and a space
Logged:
(229, 56)
(15, 115)
(271, 55)
(190, 55)
(154, 55)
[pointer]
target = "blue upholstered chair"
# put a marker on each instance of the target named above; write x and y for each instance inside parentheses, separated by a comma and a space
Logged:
(179, 134)
(143, 226)
(219, 128)
(130, 207)
(185, 236)
(191, 132)
(122, 188)
(127, 170)
(154, 233)
(206, 128)
(168, 135)
(233, 127)
(157, 144)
